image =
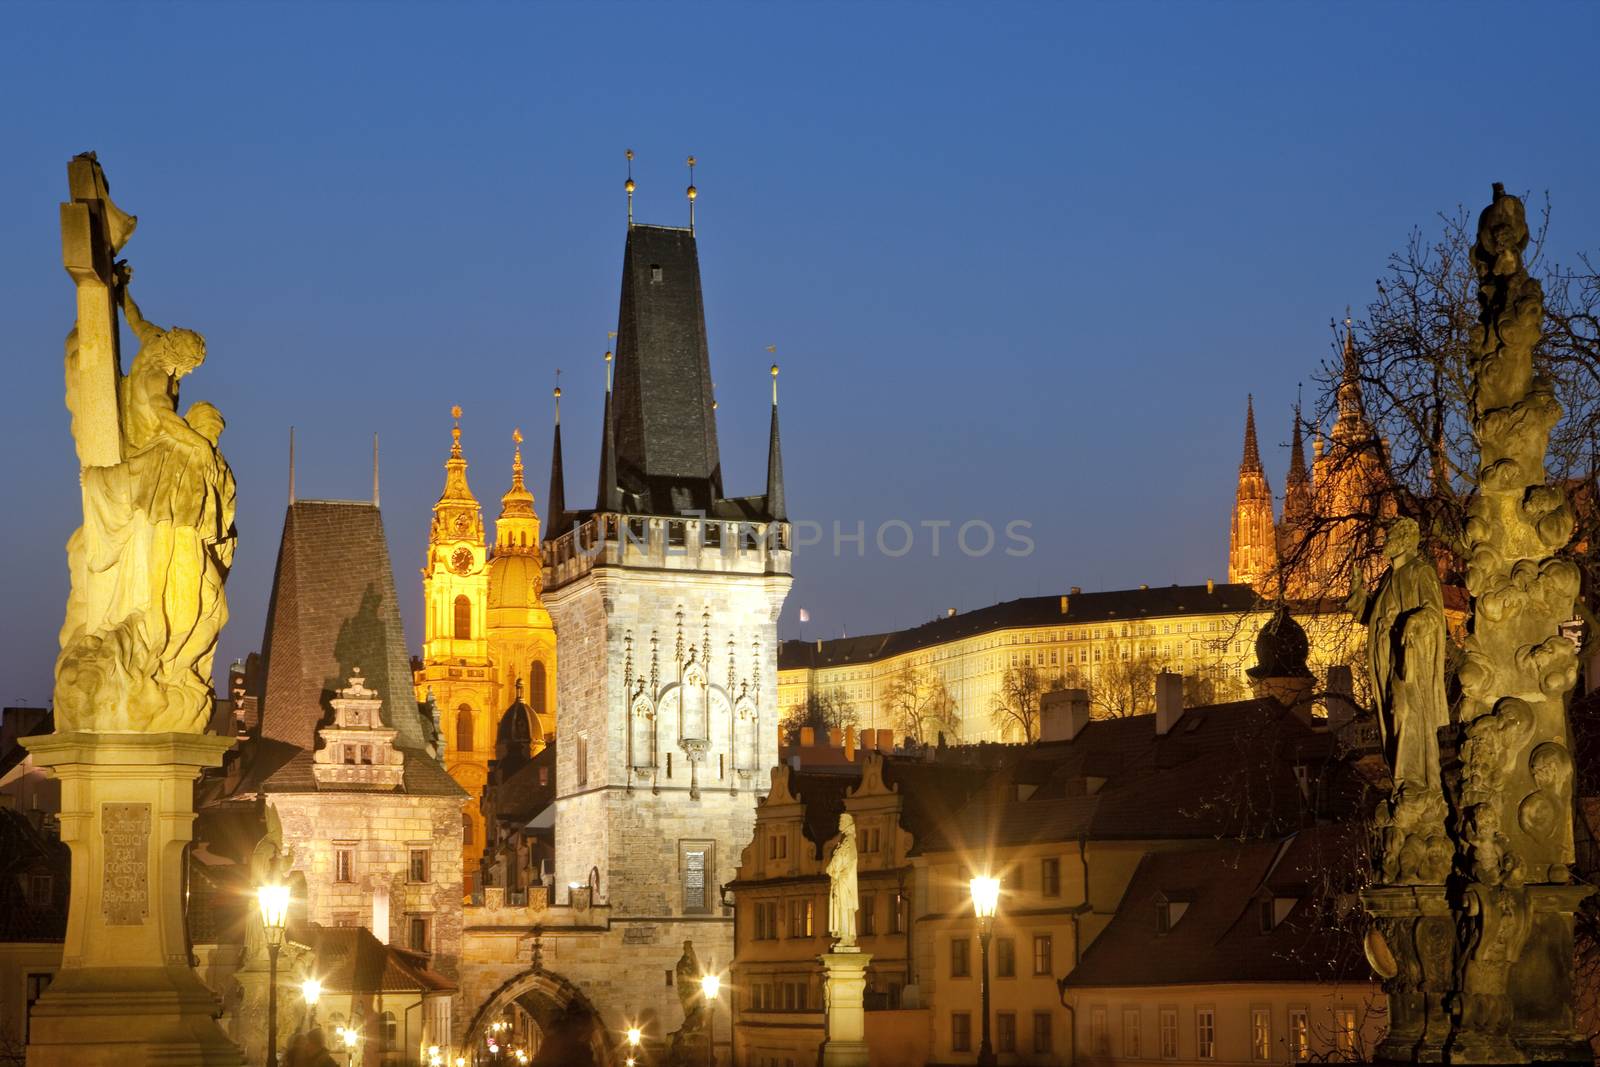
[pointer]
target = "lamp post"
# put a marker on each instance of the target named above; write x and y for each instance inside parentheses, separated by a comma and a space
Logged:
(635, 1036)
(274, 901)
(985, 902)
(311, 989)
(350, 1039)
(709, 985)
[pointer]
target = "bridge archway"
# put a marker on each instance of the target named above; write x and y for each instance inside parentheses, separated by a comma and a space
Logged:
(571, 1030)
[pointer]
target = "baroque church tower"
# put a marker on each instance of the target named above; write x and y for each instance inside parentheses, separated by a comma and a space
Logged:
(665, 598)
(1252, 549)
(456, 667)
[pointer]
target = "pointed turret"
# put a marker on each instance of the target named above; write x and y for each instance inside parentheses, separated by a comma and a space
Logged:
(1252, 549)
(517, 528)
(556, 500)
(608, 495)
(1351, 425)
(1297, 487)
(777, 509)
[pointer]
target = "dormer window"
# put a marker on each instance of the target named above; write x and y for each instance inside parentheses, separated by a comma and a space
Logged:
(1168, 912)
(655, 272)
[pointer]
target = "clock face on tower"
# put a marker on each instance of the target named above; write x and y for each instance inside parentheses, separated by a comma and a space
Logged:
(461, 560)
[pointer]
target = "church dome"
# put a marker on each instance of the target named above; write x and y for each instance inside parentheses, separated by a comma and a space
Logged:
(1281, 649)
(514, 738)
(514, 581)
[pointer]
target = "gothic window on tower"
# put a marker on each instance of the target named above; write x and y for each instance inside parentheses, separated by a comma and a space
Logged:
(583, 761)
(698, 876)
(418, 871)
(466, 828)
(344, 863)
(536, 687)
(463, 619)
(464, 729)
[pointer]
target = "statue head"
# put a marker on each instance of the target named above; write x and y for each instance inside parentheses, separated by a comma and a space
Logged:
(1402, 538)
(177, 351)
(847, 825)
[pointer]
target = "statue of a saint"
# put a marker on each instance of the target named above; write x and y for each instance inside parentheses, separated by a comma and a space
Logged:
(149, 562)
(844, 897)
(690, 997)
(1406, 654)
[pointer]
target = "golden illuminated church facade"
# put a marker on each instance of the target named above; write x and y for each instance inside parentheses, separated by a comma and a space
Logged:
(485, 629)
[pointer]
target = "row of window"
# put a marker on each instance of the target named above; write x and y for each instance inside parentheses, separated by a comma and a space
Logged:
(1345, 1033)
(1005, 956)
(770, 916)
(419, 865)
(1005, 1031)
(780, 996)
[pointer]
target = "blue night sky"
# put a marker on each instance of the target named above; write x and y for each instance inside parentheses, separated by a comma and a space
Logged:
(1020, 262)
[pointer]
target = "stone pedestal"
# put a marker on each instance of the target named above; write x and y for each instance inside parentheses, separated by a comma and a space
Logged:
(845, 988)
(127, 992)
(1412, 947)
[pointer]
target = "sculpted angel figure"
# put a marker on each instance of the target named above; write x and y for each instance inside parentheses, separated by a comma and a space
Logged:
(843, 895)
(149, 562)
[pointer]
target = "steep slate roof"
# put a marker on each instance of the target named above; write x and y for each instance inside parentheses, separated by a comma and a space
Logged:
(1224, 769)
(352, 960)
(1120, 605)
(333, 609)
(1218, 938)
(932, 793)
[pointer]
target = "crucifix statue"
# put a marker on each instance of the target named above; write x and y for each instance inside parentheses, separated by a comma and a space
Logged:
(149, 562)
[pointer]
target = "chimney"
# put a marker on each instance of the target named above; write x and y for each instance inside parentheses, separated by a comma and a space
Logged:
(835, 737)
(1341, 702)
(949, 613)
(1169, 700)
(850, 744)
(885, 741)
(1075, 590)
(1063, 714)
(1064, 602)
(808, 736)
(1211, 587)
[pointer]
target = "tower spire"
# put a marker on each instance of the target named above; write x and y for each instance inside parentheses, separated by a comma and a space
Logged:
(1351, 423)
(692, 193)
(456, 515)
(1252, 453)
(374, 470)
(628, 187)
(557, 500)
(517, 528)
(777, 507)
(609, 497)
(291, 465)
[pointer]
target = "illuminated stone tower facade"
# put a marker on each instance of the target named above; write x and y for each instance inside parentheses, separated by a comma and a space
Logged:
(455, 650)
(665, 597)
(1253, 547)
(522, 640)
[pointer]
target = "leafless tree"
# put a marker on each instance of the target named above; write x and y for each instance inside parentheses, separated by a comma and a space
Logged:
(921, 705)
(827, 710)
(1014, 709)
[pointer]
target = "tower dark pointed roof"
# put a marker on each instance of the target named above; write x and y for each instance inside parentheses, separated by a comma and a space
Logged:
(514, 737)
(556, 501)
(608, 493)
(1252, 453)
(333, 609)
(1298, 473)
(777, 507)
(666, 454)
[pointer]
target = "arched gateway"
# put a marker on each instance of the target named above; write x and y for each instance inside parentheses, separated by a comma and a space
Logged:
(571, 1031)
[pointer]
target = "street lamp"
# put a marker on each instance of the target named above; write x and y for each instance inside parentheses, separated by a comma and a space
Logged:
(311, 989)
(985, 902)
(350, 1039)
(274, 901)
(709, 985)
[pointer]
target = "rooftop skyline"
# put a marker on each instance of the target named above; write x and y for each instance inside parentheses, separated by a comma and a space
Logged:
(1022, 266)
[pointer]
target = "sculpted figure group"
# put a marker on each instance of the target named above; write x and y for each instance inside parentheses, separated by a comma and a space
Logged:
(149, 562)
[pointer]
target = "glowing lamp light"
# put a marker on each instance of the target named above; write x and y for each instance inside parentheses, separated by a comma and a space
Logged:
(985, 896)
(350, 1038)
(461, 1061)
(312, 990)
(710, 984)
(274, 901)
(635, 1035)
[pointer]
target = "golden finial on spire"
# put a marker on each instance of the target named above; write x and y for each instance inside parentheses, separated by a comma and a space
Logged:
(774, 350)
(516, 435)
(608, 369)
(628, 185)
(693, 193)
(557, 394)
(455, 431)
(713, 396)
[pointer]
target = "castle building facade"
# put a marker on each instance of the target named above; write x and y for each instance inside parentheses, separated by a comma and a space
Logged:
(486, 633)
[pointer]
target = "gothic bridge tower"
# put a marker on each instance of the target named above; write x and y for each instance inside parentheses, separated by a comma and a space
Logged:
(665, 597)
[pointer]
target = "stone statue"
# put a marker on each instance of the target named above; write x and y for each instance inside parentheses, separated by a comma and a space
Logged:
(844, 897)
(1406, 657)
(149, 562)
(687, 975)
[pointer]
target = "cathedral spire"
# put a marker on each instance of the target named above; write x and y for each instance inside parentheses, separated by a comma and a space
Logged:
(1252, 454)
(777, 509)
(557, 499)
(1351, 424)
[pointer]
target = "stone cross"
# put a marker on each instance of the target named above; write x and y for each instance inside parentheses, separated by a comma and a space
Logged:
(93, 230)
